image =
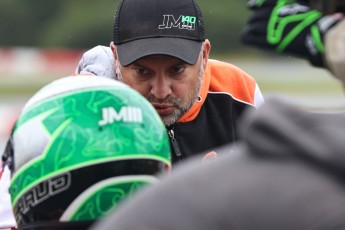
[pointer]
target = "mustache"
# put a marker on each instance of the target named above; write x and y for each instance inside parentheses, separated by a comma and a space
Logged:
(175, 101)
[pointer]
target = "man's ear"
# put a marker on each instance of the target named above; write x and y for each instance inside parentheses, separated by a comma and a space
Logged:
(116, 60)
(206, 52)
(113, 49)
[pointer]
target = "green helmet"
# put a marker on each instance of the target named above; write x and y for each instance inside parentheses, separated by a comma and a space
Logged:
(80, 146)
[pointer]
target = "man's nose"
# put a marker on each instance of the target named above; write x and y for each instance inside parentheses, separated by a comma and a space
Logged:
(161, 87)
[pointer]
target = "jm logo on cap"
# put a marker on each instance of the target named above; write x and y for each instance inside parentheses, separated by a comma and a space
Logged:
(183, 22)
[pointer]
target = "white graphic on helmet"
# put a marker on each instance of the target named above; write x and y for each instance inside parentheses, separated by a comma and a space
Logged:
(126, 114)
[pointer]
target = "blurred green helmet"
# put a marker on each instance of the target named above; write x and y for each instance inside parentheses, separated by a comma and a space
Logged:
(80, 146)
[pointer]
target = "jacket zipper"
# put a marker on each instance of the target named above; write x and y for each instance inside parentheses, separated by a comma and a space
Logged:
(174, 143)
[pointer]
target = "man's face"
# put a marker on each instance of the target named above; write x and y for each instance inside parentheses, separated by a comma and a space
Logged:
(171, 85)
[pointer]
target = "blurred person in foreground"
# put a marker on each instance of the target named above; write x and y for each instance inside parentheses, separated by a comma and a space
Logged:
(159, 49)
(286, 173)
(80, 147)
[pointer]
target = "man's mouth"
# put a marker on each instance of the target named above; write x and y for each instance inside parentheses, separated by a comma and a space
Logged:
(163, 109)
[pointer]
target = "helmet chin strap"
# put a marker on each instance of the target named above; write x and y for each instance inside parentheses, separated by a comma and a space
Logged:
(7, 157)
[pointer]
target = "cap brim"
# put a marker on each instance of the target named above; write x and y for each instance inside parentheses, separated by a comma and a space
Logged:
(184, 49)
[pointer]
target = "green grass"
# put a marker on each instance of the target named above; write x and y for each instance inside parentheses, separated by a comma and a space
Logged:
(307, 87)
(19, 90)
(22, 85)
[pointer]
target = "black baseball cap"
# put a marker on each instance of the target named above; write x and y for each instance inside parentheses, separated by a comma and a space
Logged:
(150, 27)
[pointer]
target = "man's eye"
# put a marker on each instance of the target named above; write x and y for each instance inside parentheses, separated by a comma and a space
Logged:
(177, 69)
(141, 71)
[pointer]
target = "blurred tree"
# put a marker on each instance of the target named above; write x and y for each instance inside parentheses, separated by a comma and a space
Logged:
(22, 22)
(84, 24)
(224, 20)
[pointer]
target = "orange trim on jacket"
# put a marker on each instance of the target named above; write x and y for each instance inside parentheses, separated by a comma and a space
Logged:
(224, 78)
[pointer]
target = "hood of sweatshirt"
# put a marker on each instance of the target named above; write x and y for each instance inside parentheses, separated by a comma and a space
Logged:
(283, 131)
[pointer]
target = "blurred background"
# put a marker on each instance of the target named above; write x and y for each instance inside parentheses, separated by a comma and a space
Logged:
(43, 40)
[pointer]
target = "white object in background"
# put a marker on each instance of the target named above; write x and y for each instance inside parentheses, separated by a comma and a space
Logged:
(335, 50)
(7, 220)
